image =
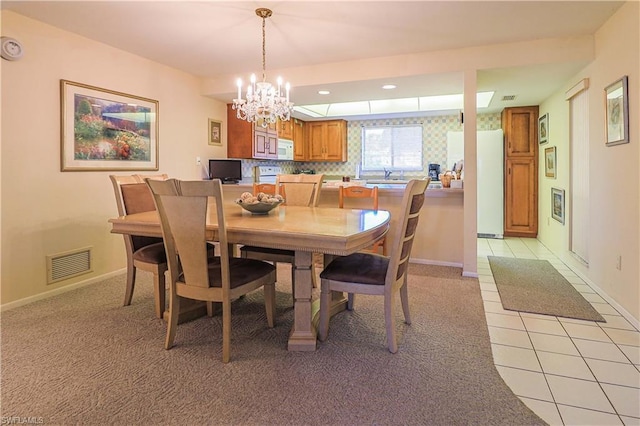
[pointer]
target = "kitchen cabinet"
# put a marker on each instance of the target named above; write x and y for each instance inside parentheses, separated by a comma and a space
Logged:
(520, 127)
(285, 129)
(249, 140)
(299, 141)
(265, 142)
(327, 140)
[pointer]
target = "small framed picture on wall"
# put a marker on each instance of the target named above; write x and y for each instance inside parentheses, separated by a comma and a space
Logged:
(215, 132)
(550, 162)
(617, 111)
(543, 129)
(557, 204)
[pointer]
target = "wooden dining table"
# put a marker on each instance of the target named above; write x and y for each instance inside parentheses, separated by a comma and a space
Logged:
(306, 230)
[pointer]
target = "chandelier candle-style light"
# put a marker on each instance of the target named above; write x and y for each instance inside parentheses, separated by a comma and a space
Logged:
(265, 103)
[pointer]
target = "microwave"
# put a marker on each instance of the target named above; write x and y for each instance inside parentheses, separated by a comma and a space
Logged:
(285, 149)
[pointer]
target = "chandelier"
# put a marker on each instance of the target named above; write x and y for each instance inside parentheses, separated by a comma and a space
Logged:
(264, 103)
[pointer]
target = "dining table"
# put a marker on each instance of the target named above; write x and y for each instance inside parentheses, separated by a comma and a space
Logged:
(305, 230)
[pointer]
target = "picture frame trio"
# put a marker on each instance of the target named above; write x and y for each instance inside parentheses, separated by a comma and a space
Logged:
(550, 169)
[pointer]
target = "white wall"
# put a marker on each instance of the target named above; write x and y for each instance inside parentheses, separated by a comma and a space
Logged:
(614, 227)
(46, 211)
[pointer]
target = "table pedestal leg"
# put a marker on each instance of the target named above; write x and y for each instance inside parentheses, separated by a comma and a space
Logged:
(303, 333)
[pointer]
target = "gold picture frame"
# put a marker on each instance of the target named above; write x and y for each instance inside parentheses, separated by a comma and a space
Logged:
(215, 132)
(105, 130)
(550, 162)
(616, 98)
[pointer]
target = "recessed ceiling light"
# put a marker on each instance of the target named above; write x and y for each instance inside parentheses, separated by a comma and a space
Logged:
(323, 92)
(389, 86)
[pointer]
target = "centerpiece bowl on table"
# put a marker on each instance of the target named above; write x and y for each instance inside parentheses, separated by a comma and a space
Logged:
(260, 203)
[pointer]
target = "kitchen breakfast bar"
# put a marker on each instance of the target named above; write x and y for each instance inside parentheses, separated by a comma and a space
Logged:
(439, 238)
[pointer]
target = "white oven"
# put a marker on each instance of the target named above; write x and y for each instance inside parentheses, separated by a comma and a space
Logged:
(285, 149)
(266, 174)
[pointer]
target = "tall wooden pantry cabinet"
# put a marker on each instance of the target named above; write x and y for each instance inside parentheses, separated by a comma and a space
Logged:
(520, 127)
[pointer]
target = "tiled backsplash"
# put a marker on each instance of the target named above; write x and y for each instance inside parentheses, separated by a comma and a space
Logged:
(434, 136)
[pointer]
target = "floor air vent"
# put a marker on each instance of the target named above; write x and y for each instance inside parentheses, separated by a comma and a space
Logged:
(62, 266)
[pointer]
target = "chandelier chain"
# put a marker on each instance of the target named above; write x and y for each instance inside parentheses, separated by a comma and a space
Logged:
(264, 104)
(264, 49)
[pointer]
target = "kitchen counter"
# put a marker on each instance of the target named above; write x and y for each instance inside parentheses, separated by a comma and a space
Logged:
(383, 188)
(439, 238)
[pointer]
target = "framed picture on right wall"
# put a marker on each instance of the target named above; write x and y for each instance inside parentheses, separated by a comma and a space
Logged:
(557, 204)
(543, 129)
(550, 162)
(616, 97)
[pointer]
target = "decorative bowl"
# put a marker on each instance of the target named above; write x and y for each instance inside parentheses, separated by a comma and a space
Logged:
(259, 207)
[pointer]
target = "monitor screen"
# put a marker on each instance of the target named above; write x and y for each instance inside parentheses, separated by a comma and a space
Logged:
(228, 171)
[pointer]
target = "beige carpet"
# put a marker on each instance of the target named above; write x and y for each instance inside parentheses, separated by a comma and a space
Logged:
(535, 286)
(82, 358)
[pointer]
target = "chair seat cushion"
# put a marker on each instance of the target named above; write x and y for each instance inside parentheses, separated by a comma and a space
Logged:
(365, 268)
(241, 270)
(153, 253)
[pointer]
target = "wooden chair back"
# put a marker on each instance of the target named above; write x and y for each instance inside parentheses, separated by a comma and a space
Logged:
(133, 196)
(300, 190)
(133, 199)
(358, 192)
(182, 207)
(143, 178)
(267, 188)
(400, 247)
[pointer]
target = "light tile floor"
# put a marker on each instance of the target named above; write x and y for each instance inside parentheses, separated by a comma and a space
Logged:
(570, 372)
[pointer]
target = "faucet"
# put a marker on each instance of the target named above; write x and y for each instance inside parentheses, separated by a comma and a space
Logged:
(387, 173)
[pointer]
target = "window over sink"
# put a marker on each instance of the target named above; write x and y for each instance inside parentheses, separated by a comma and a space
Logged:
(392, 148)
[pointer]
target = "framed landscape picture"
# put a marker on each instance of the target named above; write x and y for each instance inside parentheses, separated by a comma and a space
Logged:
(550, 162)
(106, 130)
(557, 204)
(215, 132)
(616, 98)
(543, 129)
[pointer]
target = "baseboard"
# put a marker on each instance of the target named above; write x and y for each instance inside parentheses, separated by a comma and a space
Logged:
(60, 290)
(440, 263)
(634, 321)
(435, 262)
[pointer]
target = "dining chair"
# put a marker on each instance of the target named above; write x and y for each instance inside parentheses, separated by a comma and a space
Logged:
(182, 207)
(145, 253)
(267, 188)
(359, 193)
(374, 274)
(297, 190)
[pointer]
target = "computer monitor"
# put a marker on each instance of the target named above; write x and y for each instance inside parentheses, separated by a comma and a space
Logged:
(228, 171)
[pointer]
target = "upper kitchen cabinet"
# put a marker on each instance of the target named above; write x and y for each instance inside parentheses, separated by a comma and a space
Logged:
(520, 127)
(285, 129)
(299, 142)
(265, 142)
(248, 140)
(327, 140)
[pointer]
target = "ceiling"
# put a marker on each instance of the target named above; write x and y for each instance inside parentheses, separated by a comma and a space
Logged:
(221, 41)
